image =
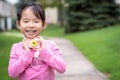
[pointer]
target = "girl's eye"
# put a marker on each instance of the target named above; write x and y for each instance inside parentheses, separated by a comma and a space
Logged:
(36, 21)
(25, 21)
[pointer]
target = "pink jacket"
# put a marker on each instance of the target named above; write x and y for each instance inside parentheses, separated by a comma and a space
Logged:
(23, 66)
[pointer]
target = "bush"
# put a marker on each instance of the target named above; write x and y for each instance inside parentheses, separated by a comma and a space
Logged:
(86, 14)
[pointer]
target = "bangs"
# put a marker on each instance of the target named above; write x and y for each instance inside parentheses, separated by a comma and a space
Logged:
(36, 8)
(39, 13)
(36, 12)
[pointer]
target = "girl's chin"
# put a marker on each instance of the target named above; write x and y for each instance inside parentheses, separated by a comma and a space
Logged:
(31, 37)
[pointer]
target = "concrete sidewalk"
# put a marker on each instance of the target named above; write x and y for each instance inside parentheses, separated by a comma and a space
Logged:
(78, 67)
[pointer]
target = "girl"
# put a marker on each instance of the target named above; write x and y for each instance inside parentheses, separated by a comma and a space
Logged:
(34, 58)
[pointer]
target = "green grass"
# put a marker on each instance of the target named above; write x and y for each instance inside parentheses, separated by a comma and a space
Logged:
(101, 47)
(54, 31)
(5, 45)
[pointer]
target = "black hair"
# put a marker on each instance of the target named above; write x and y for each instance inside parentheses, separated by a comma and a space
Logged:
(37, 10)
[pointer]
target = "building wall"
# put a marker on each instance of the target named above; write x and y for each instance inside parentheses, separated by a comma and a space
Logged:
(7, 13)
(51, 15)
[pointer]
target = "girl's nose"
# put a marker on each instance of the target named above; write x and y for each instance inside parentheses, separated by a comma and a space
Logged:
(31, 24)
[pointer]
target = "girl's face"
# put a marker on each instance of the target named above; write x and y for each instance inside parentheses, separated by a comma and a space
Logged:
(30, 25)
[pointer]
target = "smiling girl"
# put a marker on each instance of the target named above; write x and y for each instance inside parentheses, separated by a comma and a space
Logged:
(34, 58)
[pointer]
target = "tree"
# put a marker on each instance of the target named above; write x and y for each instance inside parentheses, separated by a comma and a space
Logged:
(90, 14)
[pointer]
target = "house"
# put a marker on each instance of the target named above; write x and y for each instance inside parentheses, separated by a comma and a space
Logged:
(7, 13)
(51, 15)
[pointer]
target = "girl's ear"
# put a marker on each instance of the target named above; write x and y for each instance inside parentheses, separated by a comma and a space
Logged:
(44, 25)
(17, 24)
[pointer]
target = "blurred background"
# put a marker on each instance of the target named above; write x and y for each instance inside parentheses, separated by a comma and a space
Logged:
(78, 15)
(91, 25)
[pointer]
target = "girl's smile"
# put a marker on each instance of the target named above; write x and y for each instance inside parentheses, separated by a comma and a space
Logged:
(31, 32)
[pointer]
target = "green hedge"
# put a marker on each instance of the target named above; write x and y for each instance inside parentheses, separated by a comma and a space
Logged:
(90, 14)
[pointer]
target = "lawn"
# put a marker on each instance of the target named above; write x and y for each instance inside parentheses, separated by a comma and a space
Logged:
(5, 45)
(101, 47)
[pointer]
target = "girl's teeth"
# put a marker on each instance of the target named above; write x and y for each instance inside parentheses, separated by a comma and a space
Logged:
(31, 31)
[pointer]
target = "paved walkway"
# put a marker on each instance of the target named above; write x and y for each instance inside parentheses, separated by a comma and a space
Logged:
(78, 67)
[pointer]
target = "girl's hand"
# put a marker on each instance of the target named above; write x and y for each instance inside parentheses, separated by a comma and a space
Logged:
(35, 44)
(25, 45)
(41, 42)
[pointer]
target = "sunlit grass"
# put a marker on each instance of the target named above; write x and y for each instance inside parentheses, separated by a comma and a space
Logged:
(53, 31)
(102, 48)
(5, 46)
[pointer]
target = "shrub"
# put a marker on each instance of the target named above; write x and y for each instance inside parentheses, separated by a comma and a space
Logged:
(90, 14)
